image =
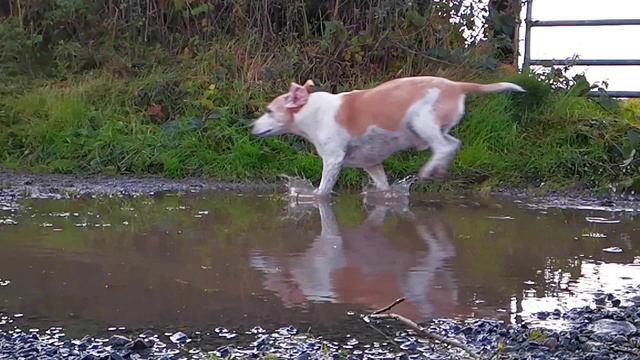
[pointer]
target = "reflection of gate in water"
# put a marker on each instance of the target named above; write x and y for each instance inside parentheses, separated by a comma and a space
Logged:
(530, 23)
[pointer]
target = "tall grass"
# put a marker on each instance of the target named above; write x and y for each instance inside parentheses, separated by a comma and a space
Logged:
(88, 99)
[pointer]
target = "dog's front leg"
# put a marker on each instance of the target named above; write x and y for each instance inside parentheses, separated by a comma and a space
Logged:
(331, 168)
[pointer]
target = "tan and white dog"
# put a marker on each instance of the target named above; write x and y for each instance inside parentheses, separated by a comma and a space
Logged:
(362, 128)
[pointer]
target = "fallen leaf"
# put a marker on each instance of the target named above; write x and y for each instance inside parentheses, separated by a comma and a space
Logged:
(156, 110)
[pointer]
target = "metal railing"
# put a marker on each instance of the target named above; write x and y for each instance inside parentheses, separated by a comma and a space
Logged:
(530, 23)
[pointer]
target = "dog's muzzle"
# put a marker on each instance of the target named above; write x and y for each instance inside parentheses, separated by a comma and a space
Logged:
(259, 134)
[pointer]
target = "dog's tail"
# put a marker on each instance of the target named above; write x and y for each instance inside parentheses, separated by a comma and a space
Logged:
(472, 88)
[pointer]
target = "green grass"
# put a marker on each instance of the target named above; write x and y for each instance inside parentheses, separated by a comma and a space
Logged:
(98, 122)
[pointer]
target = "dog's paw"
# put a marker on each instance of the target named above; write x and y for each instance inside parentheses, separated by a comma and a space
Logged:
(321, 195)
(441, 174)
(435, 173)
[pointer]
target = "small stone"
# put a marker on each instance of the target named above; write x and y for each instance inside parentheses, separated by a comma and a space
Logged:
(608, 327)
(115, 356)
(148, 334)
(409, 345)
(179, 337)
(141, 344)
(583, 339)
(551, 343)
(118, 340)
(635, 299)
(620, 339)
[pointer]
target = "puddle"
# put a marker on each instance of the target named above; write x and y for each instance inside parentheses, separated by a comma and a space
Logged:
(197, 262)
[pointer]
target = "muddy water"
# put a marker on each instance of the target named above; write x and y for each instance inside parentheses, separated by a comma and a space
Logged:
(195, 262)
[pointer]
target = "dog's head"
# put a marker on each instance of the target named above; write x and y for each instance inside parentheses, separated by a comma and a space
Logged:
(280, 113)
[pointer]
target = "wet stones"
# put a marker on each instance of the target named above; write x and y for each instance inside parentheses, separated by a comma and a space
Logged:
(49, 345)
(593, 333)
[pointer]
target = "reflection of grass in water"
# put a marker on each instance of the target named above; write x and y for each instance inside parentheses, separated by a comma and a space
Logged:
(348, 210)
(230, 218)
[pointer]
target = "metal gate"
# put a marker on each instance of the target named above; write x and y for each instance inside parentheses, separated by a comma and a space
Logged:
(530, 23)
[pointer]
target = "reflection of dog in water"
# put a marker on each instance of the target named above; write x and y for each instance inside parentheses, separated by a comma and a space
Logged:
(363, 266)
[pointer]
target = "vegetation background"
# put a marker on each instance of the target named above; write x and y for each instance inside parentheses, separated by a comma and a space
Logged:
(168, 86)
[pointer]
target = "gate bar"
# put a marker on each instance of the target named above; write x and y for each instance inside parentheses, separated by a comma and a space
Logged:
(609, 22)
(587, 62)
(617, 94)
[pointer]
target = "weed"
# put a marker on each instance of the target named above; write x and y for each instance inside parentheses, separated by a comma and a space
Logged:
(536, 335)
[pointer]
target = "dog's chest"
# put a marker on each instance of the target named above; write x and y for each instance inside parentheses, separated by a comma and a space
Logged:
(376, 145)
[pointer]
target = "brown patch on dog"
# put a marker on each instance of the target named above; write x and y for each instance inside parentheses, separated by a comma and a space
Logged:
(447, 106)
(386, 105)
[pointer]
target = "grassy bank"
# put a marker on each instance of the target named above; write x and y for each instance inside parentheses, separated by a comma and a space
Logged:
(182, 111)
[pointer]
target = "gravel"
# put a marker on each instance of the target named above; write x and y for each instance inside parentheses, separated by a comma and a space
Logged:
(588, 333)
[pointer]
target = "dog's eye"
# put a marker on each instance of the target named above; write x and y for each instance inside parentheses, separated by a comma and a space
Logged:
(269, 111)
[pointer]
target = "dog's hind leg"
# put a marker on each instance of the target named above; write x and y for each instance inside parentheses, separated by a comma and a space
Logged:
(443, 146)
(377, 174)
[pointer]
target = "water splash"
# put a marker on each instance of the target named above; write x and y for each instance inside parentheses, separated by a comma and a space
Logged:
(397, 194)
(401, 187)
(298, 186)
(301, 191)
(301, 195)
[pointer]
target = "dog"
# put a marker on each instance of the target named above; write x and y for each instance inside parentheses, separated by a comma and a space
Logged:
(362, 128)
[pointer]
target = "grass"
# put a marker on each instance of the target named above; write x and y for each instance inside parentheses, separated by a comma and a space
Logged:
(102, 121)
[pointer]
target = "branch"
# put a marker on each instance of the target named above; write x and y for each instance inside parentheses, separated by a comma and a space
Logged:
(377, 315)
(388, 307)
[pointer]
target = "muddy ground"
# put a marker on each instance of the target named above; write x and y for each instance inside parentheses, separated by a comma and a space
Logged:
(14, 183)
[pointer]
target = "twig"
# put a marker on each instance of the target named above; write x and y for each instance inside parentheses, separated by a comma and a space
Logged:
(378, 315)
(388, 307)
(424, 331)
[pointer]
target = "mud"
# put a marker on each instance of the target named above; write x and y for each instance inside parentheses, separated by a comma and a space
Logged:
(65, 186)
(14, 183)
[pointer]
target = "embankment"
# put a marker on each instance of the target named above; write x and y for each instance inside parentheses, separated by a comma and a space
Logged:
(91, 89)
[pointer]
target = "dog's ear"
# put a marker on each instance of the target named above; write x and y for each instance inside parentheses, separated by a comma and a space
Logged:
(309, 85)
(298, 95)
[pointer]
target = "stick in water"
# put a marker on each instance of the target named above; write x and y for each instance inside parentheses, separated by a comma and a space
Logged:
(411, 324)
